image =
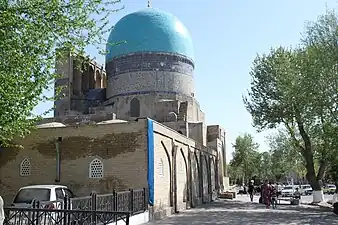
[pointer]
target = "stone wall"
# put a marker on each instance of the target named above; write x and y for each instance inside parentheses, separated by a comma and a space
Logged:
(179, 126)
(121, 105)
(197, 131)
(120, 147)
(77, 76)
(215, 138)
(185, 171)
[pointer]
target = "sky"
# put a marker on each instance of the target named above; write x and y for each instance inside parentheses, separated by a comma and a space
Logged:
(227, 36)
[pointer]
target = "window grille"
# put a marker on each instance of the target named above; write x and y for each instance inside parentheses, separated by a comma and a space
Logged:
(96, 168)
(25, 168)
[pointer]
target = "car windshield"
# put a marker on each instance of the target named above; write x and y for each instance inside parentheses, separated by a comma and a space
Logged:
(306, 187)
(28, 194)
(287, 188)
(331, 186)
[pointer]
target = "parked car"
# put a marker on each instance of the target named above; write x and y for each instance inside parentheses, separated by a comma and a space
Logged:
(306, 189)
(329, 189)
(242, 190)
(49, 196)
(288, 191)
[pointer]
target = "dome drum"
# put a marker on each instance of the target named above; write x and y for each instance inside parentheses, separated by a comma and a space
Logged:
(150, 62)
(144, 82)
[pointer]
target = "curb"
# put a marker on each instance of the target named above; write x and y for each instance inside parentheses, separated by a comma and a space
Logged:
(321, 205)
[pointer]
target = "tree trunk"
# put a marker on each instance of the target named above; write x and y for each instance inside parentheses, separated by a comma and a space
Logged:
(321, 170)
(307, 153)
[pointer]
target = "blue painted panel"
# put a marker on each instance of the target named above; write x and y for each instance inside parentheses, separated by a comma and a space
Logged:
(149, 30)
(150, 174)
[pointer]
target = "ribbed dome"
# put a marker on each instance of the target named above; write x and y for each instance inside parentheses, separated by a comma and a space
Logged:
(149, 30)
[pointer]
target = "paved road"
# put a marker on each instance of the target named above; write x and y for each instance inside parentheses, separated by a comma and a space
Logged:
(305, 198)
(239, 212)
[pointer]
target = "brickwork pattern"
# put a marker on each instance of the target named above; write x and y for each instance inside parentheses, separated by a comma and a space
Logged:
(150, 72)
(147, 81)
(189, 174)
(150, 106)
(121, 147)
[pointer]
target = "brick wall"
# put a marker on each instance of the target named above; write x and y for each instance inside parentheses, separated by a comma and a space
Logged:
(183, 171)
(121, 147)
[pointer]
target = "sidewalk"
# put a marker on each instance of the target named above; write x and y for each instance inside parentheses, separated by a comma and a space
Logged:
(234, 212)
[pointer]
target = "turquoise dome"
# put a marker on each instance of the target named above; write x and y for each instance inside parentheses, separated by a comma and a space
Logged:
(149, 30)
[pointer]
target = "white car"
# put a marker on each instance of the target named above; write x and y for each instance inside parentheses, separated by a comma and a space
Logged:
(288, 191)
(306, 189)
(49, 196)
(329, 189)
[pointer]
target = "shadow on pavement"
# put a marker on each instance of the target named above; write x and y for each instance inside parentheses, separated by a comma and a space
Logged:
(244, 213)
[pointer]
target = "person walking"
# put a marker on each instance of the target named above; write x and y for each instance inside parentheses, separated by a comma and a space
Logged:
(274, 195)
(251, 190)
(266, 192)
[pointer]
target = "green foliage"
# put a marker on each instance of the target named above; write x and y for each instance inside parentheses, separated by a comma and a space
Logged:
(245, 158)
(31, 31)
(275, 165)
(285, 156)
(297, 89)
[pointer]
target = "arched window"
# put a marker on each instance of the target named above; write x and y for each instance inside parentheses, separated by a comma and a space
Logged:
(96, 168)
(25, 168)
(161, 168)
(135, 107)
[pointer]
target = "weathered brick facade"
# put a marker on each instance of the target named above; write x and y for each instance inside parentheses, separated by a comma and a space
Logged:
(121, 147)
(186, 173)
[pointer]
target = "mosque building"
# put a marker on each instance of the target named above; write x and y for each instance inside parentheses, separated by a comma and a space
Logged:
(135, 123)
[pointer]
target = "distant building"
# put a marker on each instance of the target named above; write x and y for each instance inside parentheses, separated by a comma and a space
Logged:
(134, 124)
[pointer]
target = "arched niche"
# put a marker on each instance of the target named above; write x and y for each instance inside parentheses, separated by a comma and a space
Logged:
(98, 79)
(135, 107)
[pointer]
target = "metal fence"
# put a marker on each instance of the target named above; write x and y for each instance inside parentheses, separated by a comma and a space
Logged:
(89, 210)
(133, 201)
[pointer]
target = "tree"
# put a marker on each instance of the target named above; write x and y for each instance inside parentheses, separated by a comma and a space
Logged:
(265, 164)
(31, 31)
(245, 158)
(285, 158)
(321, 40)
(295, 89)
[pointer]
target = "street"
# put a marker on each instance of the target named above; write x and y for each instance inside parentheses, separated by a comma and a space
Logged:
(242, 212)
(306, 199)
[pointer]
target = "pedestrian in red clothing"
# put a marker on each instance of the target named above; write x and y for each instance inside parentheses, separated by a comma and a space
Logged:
(267, 194)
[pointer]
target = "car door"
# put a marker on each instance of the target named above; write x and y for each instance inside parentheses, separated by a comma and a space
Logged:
(68, 193)
(60, 197)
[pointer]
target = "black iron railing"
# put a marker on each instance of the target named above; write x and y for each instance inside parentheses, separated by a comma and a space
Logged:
(89, 210)
(36, 216)
(133, 201)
